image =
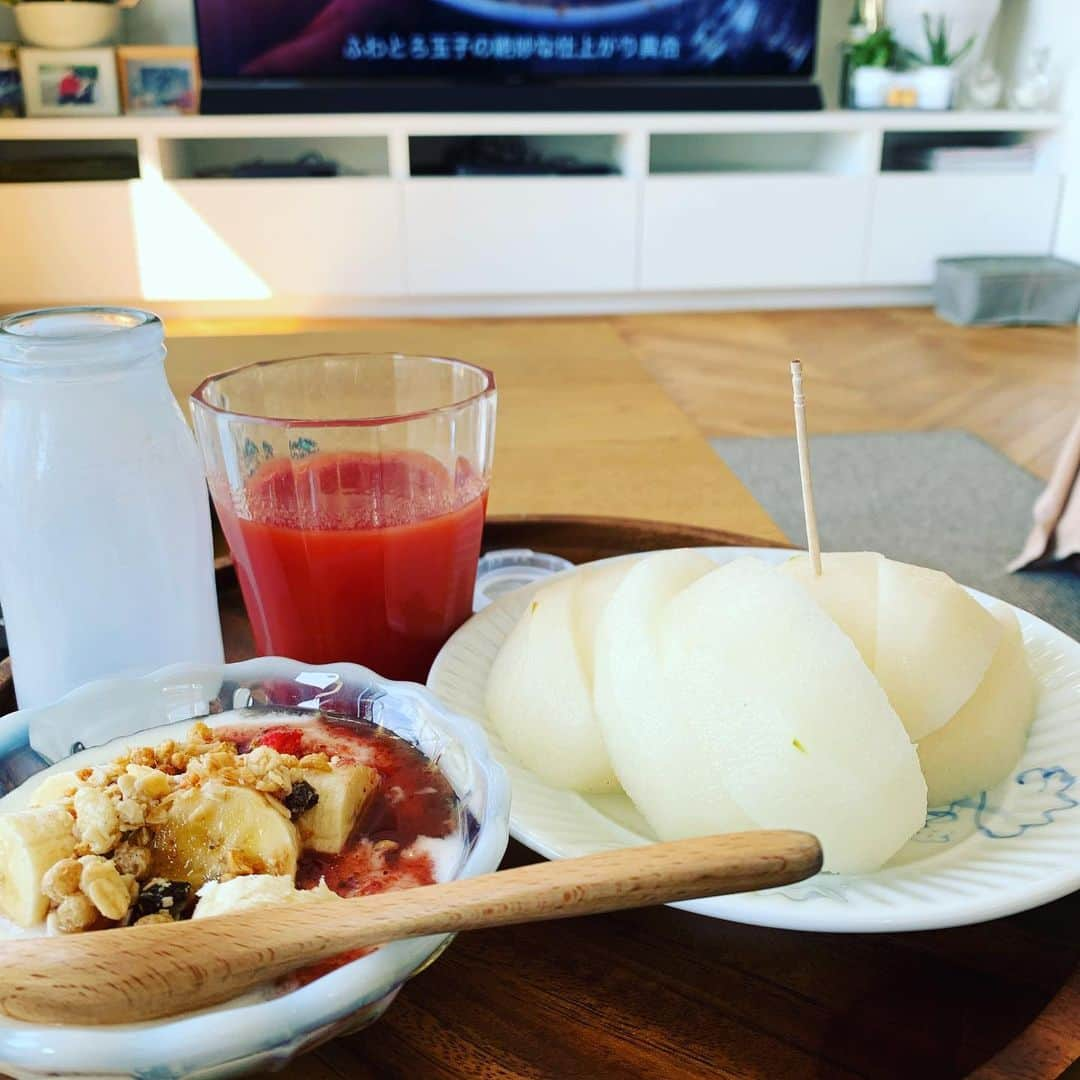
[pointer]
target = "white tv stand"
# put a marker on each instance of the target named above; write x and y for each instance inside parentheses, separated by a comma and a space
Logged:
(703, 211)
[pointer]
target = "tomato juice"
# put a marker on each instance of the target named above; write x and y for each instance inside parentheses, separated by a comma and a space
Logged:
(361, 557)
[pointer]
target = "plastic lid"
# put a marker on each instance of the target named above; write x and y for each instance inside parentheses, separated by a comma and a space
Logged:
(500, 572)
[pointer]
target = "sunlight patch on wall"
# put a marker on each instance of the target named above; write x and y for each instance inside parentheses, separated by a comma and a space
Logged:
(180, 255)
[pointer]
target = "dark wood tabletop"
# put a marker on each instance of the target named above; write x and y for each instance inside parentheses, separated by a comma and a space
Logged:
(666, 994)
(661, 993)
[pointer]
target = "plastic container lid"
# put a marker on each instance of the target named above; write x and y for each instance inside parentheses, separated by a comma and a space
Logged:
(501, 572)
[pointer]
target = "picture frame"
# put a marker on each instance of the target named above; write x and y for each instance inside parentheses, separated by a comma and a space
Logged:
(69, 82)
(159, 79)
(11, 100)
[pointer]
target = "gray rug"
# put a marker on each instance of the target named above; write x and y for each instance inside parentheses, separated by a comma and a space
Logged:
(944, 499)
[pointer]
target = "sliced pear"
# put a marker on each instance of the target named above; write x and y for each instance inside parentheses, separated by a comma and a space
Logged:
(934, 644)
(30, 842)
(221, 830)
(596, 586)
(345, 792)
(784, 714)
(540, 689)
(54, 788)
(847, 591)
(660, 758)
(983, 742)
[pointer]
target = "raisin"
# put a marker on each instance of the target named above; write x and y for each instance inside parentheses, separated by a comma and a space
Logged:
(302, 797)
(161, 895)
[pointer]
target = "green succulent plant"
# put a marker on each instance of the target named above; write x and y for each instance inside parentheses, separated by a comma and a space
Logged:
(937, 43)
(878, 49)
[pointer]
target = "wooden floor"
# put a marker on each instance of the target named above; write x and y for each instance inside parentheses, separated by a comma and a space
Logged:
(867, 370)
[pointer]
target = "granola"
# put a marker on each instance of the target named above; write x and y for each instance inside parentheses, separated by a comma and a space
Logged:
(117, 808)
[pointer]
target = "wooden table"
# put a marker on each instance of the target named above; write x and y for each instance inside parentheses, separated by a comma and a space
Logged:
(659, 994)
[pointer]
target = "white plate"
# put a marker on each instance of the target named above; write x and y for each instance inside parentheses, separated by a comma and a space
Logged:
(1009, 849)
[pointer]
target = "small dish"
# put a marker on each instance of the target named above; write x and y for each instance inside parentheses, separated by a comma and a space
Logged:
(265, 1031)
(1007, 850)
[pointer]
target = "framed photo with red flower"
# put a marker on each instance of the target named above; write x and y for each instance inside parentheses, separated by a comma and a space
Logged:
(69, 82)
(160, 79)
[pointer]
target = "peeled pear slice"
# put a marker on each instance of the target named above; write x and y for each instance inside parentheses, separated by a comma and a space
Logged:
(785, 716)
(983, 742)
(661, 760)
(540, 688)
(847, 591)
(934, 644)
(595, 586)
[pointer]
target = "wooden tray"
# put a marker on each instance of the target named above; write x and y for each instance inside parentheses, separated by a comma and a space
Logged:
(662, 993)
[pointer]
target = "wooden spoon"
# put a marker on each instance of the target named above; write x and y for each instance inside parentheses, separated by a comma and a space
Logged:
(143, 972)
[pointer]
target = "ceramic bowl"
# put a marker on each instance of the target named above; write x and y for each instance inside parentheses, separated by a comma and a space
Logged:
(67, 24)
(263, 1031)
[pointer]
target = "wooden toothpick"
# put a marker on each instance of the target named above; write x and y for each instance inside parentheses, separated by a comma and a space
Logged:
(812, 543)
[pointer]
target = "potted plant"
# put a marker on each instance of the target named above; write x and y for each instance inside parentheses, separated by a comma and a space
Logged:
(966, 17)
(68, 24)
(871, 61)
(935, 79)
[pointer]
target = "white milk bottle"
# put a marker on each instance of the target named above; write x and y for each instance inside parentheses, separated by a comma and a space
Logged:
(106, 558)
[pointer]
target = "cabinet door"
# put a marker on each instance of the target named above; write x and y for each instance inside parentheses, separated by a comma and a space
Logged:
(255, 239)
(743, 232)
(67, 242)
(479, 235)
(919, 218)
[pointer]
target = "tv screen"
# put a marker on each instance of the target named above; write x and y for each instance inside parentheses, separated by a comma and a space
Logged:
(506, 41)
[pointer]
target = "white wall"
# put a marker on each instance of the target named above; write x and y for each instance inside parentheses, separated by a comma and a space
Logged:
(161, 22)
(1053, 24)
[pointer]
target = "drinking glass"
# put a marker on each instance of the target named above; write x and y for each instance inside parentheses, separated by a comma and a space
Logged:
(352, 491)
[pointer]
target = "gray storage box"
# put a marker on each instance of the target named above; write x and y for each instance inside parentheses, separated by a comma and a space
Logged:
(1009, 290)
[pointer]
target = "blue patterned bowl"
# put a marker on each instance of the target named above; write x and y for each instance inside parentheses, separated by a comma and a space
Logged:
(260, 1031)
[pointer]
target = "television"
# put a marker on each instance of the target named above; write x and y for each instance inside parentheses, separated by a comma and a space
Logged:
(505, 55)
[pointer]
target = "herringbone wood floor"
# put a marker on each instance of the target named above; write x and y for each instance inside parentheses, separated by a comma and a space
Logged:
(867, 370)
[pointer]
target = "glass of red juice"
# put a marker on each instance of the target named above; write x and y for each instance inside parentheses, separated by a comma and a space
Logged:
(352, 491)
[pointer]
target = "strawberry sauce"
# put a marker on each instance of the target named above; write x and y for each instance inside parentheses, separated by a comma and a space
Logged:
(414, 800)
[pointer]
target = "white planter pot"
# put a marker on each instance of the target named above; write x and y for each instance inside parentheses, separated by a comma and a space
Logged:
(964, 18)
(67, 24)
(870, 87)
(935, 87)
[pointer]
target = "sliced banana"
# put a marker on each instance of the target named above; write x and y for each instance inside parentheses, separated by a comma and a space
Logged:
(53, 788)
(220, 830)
(30, 842)
(344, 794)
